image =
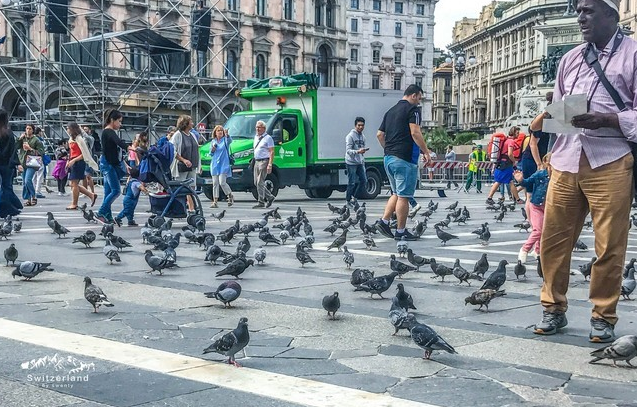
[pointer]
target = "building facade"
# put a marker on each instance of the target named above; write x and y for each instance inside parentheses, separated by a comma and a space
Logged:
(442, 107)
(390, 46)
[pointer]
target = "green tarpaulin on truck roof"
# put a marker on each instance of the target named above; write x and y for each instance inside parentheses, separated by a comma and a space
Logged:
(309, 79)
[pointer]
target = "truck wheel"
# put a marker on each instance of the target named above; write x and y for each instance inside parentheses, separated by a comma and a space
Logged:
(323, 193)
(373, 185)
(207, 190)
(271, 183)
(309, 192)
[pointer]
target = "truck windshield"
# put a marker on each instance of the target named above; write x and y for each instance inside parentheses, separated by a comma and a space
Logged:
(242, 126)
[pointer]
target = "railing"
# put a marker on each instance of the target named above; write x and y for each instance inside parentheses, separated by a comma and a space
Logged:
(437, 169)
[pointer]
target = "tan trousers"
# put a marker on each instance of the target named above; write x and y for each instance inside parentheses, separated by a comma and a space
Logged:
(260, 174)
(607, 193)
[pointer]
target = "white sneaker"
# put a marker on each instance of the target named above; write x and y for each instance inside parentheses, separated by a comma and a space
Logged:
(522, 255)
(414, 210)
(534, 254)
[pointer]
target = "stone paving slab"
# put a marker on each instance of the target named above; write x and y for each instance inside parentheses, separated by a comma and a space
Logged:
(363, 381)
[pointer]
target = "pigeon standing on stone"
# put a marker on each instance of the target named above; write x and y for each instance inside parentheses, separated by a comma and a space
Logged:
(461, 273)
(259, 255)
(416, 260)
(624, 348)
(586, 269)
(155, 263)
(244, 245)
(110, 252)
(106, 229)
(227, 292)
(483, 297)
(17, 225)
(404, 298)
(497, 278)
(95, 295)
(398, 316)
(400, 267)
(232, 342)
(519, 270)
(628, 284)
(369, 242)
(444, 236)
(339, 241)
(440, 270)
(331, 304)
(348, 257)
(303, 257)
(377, 285)
(426, 338)
(86, 238)
(11, 254)
(631, 264)
(485, 236)
(235, 268)
(219, 215)
(580, 246)
(267, 237)
(481, 266)
(55, 226)
(359, 276)
(30, 269)
(525, 225)
(402, 247)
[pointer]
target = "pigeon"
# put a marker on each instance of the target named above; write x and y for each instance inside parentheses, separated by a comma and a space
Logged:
(244, 245)
(401, 247)
(121, 243)
(303, 257)
(580, 246)
(461, 219)
(110, 252)
(485, 236)
(17, 225)
(95, 296)
(426, 338)
(235, 268)
(628, 284)
(273, 213)
(404, 298)
(89, 215)
(226, 236)
(397, 316)
(497, 278)
(30, 269)
(443, 223)
(377, 285)
(481, 266)
(219, 215)
(523, 213)
(359, 276)
(232, 342)
(11, 254)
(55, 226)
(627, 267)
(331, 304)
(461, 273)
(400, 267)
(267, 237)
(348, 257)
(440, 270)
(519, 270)
(586, 269)
(369, 242)
(339, 241)
(499, 217)
(86, 238)
(624, 348)
(481, 229)
(155, 263)
(331, 228)
(419, 228)
(483, 297)
(526, 225)
(465, 212)
(416, 260)
(213, 252)
(227, 292)
(259, 255)
(452, 207)
(284, 235)
(106, 229)
(444, 236)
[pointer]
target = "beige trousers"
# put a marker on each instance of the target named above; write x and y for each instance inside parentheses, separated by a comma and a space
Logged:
(260, 174)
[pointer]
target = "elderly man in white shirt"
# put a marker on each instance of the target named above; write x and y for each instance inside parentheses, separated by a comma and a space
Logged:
(263, 157)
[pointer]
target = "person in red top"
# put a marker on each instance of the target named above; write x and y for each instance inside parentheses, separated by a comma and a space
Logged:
(503, 174)
(76, 165)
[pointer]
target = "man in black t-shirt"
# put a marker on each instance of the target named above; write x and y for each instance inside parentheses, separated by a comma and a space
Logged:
(400, 136)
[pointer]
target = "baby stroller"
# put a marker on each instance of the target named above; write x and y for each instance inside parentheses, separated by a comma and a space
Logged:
(170, 200)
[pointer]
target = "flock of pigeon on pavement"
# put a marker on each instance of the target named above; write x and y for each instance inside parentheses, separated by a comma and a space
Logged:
(296, 228)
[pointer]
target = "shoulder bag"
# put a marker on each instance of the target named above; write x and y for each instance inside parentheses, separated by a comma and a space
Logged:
(34, 161)
(252, 160)
(230, 156)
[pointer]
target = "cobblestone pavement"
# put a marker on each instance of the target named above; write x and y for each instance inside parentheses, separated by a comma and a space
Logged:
(147, 350)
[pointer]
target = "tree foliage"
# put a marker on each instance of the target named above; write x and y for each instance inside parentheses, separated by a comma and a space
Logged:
(438, 140)
(465, 138)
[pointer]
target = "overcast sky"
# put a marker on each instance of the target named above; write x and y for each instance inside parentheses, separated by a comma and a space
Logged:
(448, 12)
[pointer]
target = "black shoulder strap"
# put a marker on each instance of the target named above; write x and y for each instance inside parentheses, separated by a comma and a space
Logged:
(590, 56)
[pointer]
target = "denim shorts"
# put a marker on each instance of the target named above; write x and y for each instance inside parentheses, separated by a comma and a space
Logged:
(402, 175)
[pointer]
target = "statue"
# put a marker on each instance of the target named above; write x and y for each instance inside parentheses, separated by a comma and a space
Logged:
(548, 65)
(544, 69)
(571, 6)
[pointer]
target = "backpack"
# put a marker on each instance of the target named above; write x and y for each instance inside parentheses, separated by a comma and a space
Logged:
(519, 145)
(495, 147)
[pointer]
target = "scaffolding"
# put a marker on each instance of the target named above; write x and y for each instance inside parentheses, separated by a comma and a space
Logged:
(148, 71)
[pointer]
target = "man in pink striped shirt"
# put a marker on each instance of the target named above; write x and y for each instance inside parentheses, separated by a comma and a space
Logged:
(592, 171)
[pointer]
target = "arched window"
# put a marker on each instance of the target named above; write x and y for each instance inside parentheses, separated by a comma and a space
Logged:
(287, 66)
(19, 41)
(323, 66)
(259, 69)
(231, 64)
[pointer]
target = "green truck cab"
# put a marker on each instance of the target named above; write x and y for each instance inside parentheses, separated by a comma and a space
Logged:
(308, 125)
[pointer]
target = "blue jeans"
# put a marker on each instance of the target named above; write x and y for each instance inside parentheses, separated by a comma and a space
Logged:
(130, 203)
(402, 175)
(356, 180)
(111, 188)
(9, 203)
(28, 189)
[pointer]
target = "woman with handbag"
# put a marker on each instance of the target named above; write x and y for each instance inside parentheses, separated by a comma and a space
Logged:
(221, 164)
(111, 164)
(79, 157)
(186, 160)
(10, 204)
(30, 151)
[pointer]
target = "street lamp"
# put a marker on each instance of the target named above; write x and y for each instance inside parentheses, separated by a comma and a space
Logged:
(459, 65)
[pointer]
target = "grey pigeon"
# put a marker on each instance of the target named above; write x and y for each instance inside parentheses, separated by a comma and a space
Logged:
(398, 316)
(267, 237)
(303, 257)
(519, 270)
(155, 263)
(219, 215)
(95, 296)
(369, 242)
(235, 268)
(452, 207)
(359, 276)
(106, 229)
(499, 217)
(30, 269)
(580, 246)
(404, 298)
(401, 247)
(440, 270)
(331, 229)
(55, 226)
(444, 236)
(399, 267)
(227, 292)
(244, 245)
(110, 252)
(624, 348)
(377, 285)
(121, 243)
(481, 266)
(86, 238)
(17, 225)
(497, 278)
(284, 235)
(483, 297)
(461, 273)
(416, 260)
(426, 338)
(419, 228)
(331, 304)
(339, 241)
(348, 257)
(213, 252)
(485, 236)
(11, 254)
(259, 255)
(631, 264)
(628, 284)
(232, 342)
(525, 225)
(587, 268)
